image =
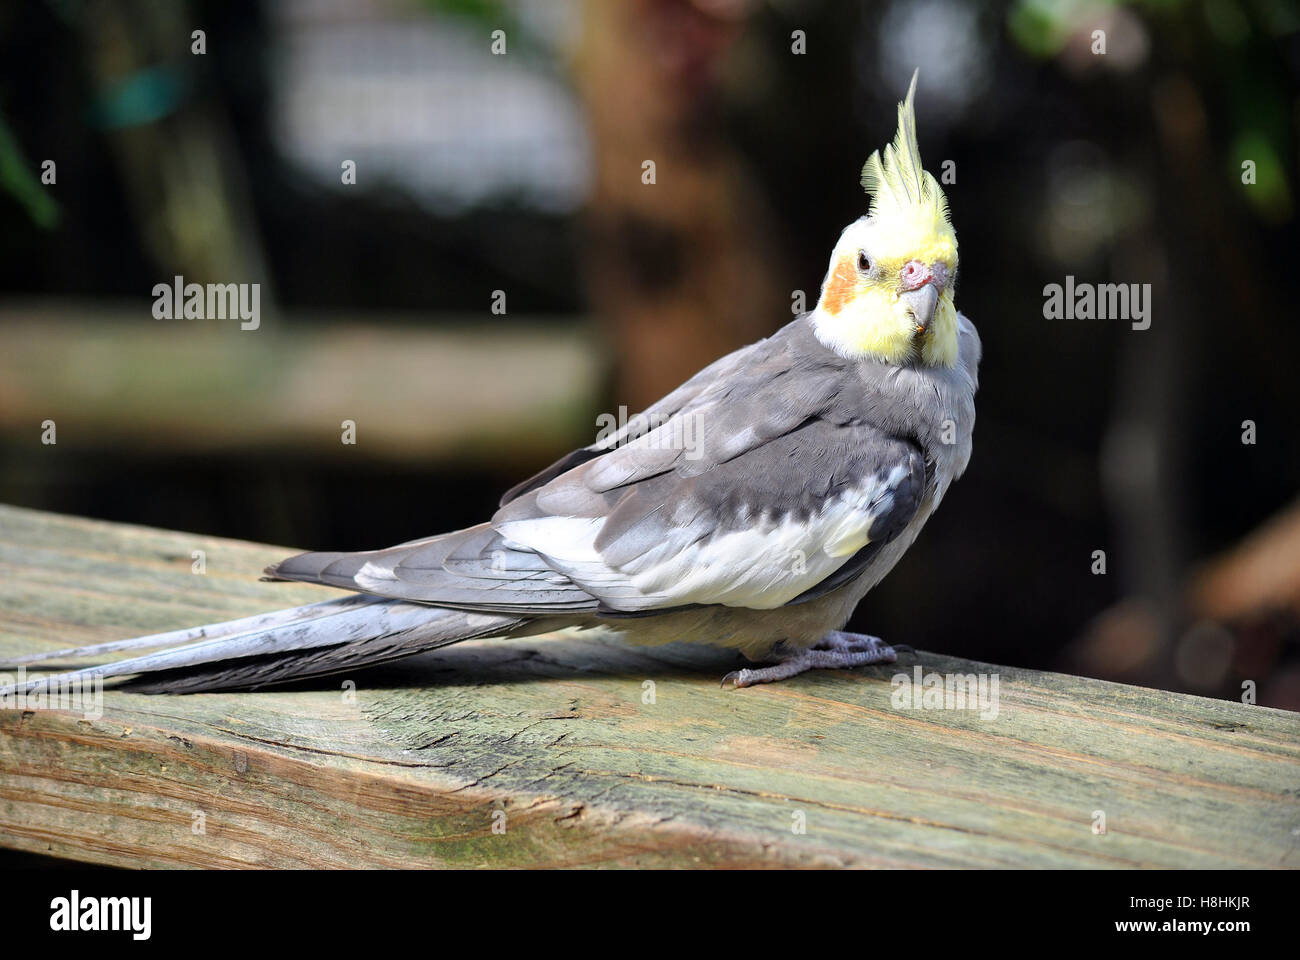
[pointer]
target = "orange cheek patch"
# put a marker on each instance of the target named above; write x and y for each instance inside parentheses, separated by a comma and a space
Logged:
(840, 289)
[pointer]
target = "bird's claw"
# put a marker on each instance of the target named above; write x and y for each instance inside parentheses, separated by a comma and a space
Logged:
(837, 650)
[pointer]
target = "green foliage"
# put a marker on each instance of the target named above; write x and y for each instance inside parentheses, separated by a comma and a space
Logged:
(19, 181)
(1269, 195)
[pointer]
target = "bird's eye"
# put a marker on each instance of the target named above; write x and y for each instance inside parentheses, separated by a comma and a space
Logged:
(864, 262)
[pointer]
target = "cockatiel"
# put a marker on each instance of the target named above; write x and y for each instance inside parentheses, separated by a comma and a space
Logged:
(773, 490)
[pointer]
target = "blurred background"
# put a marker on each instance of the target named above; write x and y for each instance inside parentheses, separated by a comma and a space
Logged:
(443, 202)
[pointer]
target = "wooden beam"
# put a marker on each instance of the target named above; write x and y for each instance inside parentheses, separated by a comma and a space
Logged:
(558, 744)
(115, 376)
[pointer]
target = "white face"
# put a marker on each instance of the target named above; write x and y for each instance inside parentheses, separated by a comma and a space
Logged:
(867, 242)
(888, 294)
(858, 235)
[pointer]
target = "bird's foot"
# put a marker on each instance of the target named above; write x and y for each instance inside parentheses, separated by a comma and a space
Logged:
(835, 651)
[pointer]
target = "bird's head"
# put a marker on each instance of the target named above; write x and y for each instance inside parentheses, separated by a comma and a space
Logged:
(888, 293)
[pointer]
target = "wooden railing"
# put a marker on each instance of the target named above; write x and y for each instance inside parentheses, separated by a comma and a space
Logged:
(571, 751)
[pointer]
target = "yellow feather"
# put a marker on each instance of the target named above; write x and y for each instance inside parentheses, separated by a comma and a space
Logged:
(861, 314)
(940, 349)
(906, 199)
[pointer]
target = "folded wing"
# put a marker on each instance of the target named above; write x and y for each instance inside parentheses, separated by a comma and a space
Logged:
(756, 484)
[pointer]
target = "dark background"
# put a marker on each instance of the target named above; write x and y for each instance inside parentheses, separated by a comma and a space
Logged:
(522, 173)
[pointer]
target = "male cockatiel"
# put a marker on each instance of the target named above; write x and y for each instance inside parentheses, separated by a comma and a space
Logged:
(776, 487)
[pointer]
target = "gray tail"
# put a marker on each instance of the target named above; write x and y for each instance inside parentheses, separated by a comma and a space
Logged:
(270, 648)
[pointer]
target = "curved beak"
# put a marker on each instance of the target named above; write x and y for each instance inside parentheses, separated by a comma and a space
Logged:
(920, 304)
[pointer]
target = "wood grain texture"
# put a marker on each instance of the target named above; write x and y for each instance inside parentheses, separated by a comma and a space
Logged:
(411, 768)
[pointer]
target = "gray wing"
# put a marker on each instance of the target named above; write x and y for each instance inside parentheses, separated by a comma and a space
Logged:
(712, 378)
(473, 569)
(759, 480)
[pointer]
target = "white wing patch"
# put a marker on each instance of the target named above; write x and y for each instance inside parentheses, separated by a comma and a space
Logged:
(373, 576)
(763, 566)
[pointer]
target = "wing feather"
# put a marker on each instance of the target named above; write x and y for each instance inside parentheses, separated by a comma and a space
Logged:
(778, 486)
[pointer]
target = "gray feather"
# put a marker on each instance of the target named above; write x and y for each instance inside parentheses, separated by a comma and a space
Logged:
(785, 434)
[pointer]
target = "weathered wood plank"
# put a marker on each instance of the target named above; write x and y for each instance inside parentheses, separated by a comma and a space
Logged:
(106, 376)
(555, 734)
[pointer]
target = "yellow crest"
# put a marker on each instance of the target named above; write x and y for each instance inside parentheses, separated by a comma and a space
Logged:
(867, 306)
(905, 199)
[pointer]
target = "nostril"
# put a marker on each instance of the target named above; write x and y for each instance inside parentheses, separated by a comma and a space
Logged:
(914, 274)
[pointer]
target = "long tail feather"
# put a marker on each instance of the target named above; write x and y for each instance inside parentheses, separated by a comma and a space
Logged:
(207, 632)
(248, 673)
(356, 633)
